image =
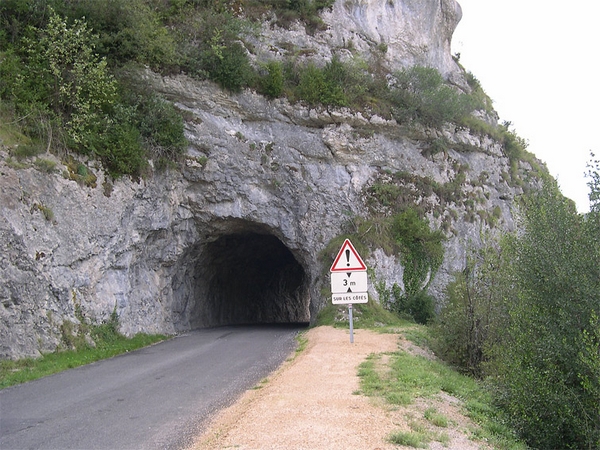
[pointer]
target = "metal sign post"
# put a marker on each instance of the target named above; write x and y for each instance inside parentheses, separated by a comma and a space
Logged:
(351, 323)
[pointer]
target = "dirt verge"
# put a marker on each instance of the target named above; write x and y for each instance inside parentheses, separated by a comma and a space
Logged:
(311, 402)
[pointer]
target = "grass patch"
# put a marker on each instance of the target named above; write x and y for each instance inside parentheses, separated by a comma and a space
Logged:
(369, 315)
(45, 165)
(302, 342)
(261, 384)
(108, 344)
(413, 439)
(418, 335)
(435, 418)
(406, 377)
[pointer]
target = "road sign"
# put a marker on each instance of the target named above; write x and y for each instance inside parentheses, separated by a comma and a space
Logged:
(348, 282)
(348, 259)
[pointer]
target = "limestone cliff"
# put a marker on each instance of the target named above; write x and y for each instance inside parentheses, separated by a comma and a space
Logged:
(234, 235)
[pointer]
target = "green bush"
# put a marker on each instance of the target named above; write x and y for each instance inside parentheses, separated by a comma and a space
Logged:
(228, 65)
(474, 315)
(337, 83)
(420, 94)
(67, 96)
(524, 315)
(79, 85)
(119, 146)
(421, 250)
(537, 367)
(421, 253)
(127, 30)
(271, 84)
(161, 127)
(319, 86)
(289, 11)
(420, 306)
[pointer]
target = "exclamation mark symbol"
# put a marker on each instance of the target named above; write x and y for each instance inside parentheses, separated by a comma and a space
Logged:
(347, 258)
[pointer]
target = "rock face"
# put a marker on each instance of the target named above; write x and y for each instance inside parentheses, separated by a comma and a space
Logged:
(234, 236)
(403, 32)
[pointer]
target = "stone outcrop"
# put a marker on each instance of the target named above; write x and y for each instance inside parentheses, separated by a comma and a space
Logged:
(402, 32)
(234, 235)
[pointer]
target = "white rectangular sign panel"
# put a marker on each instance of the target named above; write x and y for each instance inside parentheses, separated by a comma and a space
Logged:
(348, 282)
(355, 297)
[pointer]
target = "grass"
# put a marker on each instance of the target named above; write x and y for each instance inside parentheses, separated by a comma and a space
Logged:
(261, 384)
(370, 316)
(408, 377)
(435, 418)
(108, 344)
(410, 439)
(302, 342)
(400, 378)
(10, 132)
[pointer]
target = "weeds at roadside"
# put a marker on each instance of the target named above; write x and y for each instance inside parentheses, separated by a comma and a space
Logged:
(108, 344)
(261, 384)
(435, 418)
(302, 343)
(413, 380)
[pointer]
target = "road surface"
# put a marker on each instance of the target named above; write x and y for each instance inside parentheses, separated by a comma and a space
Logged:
(158, 397)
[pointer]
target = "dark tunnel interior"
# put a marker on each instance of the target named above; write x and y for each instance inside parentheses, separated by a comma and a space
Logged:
(245, 278)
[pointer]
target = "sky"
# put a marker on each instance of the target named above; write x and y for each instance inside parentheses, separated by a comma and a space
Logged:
(539, 62)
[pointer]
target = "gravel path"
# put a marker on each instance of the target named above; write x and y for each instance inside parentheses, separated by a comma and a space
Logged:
(311, 403)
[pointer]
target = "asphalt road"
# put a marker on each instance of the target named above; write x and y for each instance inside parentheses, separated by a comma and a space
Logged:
(158, 397)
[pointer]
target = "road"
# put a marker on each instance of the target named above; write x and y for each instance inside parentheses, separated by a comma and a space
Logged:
(158, 397)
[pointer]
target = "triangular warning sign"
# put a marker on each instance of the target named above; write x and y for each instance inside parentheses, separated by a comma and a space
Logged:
(348, 259)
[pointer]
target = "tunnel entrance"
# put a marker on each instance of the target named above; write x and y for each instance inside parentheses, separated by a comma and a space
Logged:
(243, 278)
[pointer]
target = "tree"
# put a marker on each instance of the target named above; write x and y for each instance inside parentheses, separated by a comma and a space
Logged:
(594, 183)
(421, 253)
(79, 86)
(538, 365)
(474, 315)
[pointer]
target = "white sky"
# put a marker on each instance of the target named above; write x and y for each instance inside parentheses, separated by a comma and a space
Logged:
(539, 60)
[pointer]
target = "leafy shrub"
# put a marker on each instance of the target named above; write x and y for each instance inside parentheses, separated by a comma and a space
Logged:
(271, 84)
(68, 97)
(555, 269)
(120, 147)
(475, 313)
(289, 11)
(79, 86)
(228, 65)
(127, 30)
(318, 86)
(337, 83)
(525, 316)
(161, 126)
(420, 306)
(420, 94)
(210, 39)
(421, 250)
(421, 253)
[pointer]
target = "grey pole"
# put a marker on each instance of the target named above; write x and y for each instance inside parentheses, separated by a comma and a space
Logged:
(351, 323)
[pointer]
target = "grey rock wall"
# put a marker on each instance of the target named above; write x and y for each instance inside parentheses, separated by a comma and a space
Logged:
(167, 251)
(235, 234)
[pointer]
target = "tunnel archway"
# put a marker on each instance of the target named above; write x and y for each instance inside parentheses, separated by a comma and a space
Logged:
(244, 276)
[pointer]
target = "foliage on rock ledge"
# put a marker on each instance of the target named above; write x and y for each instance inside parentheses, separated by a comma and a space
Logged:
(88, 101)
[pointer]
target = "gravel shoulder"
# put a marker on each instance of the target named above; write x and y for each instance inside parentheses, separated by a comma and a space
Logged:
(311, 403)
